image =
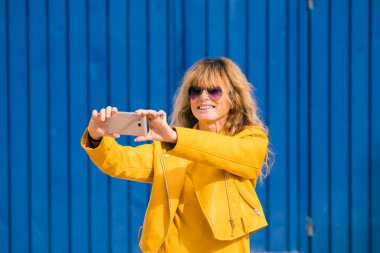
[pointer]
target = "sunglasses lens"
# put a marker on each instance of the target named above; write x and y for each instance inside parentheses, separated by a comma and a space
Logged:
(215, 93)
(194, 92)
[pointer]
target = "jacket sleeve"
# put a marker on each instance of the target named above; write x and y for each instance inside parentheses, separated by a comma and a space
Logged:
(132, 163)
(241, 155)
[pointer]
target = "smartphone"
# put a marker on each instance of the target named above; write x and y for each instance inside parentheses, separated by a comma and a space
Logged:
(128, 123)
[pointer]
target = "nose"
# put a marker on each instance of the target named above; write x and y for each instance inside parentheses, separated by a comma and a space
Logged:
(204, 95)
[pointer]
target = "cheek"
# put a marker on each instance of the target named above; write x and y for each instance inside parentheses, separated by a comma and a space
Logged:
(225, 106)
(192, 106)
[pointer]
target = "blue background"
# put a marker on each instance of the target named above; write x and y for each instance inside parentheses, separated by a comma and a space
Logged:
(317, 79)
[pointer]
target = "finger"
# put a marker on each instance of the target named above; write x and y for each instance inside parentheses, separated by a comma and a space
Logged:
(152, 116)
(114, 110)
(143, 138)
(103, 114)
(115, 135)
(162, 114)
(108, 112)
(94, 114)
(142, 112)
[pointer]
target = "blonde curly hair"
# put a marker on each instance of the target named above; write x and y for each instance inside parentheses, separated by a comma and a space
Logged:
(243, 108)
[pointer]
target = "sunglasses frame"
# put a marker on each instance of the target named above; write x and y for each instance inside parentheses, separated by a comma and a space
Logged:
(215, 93)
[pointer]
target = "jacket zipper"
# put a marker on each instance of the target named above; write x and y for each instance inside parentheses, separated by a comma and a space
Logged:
(167, 193)
(229, 205)
(257, 211)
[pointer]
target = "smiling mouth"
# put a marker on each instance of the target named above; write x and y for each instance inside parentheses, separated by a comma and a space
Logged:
(205, 107)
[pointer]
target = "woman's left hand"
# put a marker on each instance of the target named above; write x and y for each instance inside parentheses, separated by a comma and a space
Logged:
(159, 130)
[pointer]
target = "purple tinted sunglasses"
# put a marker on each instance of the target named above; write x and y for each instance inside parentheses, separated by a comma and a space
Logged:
(214, 93)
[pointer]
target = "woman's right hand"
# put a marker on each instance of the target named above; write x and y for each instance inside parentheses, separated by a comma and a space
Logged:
(98, 125)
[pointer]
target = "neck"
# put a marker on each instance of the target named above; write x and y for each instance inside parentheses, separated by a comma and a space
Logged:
(215, 126)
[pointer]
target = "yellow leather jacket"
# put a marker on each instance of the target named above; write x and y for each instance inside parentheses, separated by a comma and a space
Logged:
(224, 174)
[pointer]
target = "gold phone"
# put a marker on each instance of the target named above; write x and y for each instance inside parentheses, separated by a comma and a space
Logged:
(128, 123)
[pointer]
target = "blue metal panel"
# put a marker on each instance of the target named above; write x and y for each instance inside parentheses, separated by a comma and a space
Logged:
(237, 32)
(374, 19)
(277, 121)
(195, 32)
(292, 139)
(18, 133)
(159, 95)
(304, 124)
(4, 123)
(359, 120)
(99, 98)
(339, 126)
(176, 42)
(58, 123)
(79, 116)
(317, 85)
(320, 185)
(216, 28)
(117, 26)
(138, 99)
(38, 97)
(257, 72)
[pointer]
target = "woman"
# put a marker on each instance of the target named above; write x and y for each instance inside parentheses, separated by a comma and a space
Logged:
(203, 168)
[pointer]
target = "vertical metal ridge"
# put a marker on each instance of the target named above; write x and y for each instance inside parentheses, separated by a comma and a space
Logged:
(206, 13)
(148, 70)
(148, 56)
(247, 51)
(9, 214)
(28, 120)
(128, 51)
(298, 103)
(349, 124)
(183, 10)
(246, 57)
(49, 144)
(68, 101)
(88, 91)
(309, 137)
(287, 124)
(227, 28)
(128, 105)
(169, 80)
(108, 84)
(370, 166)
(267, 104)
(298, 169)
(329, 126)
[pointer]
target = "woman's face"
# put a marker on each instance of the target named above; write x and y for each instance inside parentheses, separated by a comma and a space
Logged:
(209, 108)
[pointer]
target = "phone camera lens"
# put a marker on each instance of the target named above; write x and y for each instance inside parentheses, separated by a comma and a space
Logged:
(139, 124)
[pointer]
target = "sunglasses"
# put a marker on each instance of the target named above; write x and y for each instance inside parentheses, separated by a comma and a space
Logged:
(214, 93)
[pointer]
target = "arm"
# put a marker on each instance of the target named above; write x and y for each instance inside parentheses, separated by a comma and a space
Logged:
(242, 155)
(133, 163)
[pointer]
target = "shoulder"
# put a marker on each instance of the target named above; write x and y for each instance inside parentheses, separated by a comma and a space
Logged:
(251, 131)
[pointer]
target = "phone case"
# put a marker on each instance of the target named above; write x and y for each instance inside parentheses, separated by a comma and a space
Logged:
(128, 123)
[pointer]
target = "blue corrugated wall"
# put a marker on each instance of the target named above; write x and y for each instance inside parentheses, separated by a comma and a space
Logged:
(317, 77)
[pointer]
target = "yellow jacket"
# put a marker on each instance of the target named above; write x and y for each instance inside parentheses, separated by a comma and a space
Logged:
(225, 170)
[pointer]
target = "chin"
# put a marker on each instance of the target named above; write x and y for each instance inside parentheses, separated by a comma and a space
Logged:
(206, 118)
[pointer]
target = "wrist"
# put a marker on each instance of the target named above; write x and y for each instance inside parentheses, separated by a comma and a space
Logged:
(93, 138)
(173, 136)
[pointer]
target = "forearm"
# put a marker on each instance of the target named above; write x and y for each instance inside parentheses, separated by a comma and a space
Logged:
(240, 155)
(133, 163)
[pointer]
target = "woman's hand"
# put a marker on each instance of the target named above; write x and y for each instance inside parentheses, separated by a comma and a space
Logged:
(98, 126)
(159, 130)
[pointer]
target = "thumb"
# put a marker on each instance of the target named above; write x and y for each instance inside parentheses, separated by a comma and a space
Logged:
(162, 114)
(143, 138)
